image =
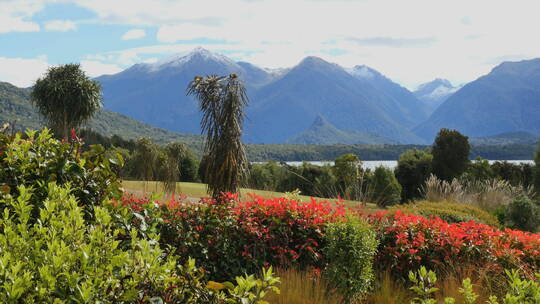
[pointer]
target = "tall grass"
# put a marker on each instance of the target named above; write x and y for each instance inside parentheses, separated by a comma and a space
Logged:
(486, 194)
(299, 287)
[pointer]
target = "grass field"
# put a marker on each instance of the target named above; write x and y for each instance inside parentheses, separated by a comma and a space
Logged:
(198, 190)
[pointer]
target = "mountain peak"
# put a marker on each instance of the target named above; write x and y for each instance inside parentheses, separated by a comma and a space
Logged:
(319, 121)
(363, 71)
(309, 60)
(318, 64)
(197, 54)
(434, 84)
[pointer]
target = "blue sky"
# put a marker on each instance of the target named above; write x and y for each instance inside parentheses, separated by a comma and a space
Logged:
(410, 41)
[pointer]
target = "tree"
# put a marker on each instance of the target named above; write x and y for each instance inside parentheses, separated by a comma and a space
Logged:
(537, 171)
(222, 101)
(413, 168)
(346, 169)
(386, 189)
(170, 166)
(450, 154)
(66, 97)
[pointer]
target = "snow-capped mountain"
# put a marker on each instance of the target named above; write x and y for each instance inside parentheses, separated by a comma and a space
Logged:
(435, 92)
(283, 102)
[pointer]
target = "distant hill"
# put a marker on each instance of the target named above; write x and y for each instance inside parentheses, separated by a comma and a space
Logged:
(283, 102)
(434, 93)
(521, 138)
(323, 132)
(505, 100)
(16, 107)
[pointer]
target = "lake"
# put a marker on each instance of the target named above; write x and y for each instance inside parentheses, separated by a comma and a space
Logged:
(391, 164)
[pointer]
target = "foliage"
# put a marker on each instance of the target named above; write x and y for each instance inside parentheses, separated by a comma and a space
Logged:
(515, 174)
(347, 168)
(413, 168)
(424, 286)
(449, 212)
(450, 154)
(523, 214)
(410, 241)
(386, 188)
(66, 97)
(39, 159)
(231, 238)
(64, 258)
(520, 291)
(222, 101)
(479, 169)
(351, 246)
(537, 170)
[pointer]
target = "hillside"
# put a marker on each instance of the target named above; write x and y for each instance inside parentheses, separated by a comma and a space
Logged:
(520, 138)
(289, 105)
(16, 107)
(505, 100)
(322, 132)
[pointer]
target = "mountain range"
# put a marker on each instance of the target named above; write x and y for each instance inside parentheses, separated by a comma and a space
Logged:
(314, 102)
(505, 100)
(283, 103)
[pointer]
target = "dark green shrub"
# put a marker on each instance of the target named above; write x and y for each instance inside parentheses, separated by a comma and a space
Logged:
(450, 154)
(479, 170)
(386, 189)
(449, 212)
(413, 169)
(37, 159)
(523, 214)
(350, 249)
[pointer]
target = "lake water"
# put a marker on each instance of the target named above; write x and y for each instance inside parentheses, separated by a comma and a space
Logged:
(391, 164)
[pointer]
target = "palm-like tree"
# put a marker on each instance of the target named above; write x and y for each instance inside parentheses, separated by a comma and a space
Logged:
(222, 100)
(66, 97)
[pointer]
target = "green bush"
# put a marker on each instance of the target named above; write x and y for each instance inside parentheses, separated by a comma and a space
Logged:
(449, 212)
(63, 258)
(413, 168)
(522, 214)
(35, 159)
(520, 291)
(386, 189)
(350, 250)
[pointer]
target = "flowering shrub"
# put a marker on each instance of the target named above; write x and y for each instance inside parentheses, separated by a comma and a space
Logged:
(410, 241)
(229, 238)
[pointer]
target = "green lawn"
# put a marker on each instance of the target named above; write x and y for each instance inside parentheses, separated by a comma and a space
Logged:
(197, 190)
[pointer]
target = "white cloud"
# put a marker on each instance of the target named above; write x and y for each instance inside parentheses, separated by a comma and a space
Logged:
(22, 72)
(134, 34)
(96, 68)
(410, 41)
(60, 26)
(15, 15)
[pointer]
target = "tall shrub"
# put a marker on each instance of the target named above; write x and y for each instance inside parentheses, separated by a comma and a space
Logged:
(350, 249)
(413, 169)
(450, 154)
(386, 189)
